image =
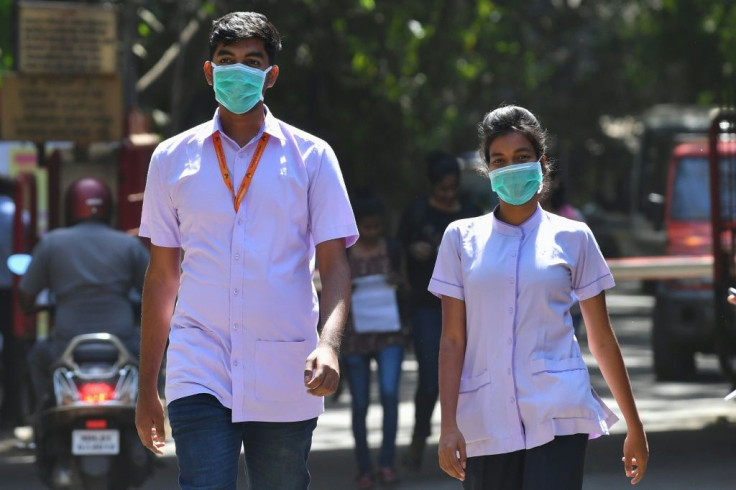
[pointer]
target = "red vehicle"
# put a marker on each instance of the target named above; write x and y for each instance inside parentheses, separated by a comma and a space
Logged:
(684, 321)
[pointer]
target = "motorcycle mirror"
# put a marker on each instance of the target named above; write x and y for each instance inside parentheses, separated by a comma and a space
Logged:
(18, 263)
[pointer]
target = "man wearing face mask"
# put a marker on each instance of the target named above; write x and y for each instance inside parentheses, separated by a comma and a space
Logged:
(251, 202)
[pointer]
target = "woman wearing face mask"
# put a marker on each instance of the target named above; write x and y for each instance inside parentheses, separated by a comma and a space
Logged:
(516, 400)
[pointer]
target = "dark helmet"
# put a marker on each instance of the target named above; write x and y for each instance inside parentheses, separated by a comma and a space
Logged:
(88, 198)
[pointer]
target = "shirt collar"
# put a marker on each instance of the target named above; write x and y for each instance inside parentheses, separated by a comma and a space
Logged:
(270, 125)
(521, 230)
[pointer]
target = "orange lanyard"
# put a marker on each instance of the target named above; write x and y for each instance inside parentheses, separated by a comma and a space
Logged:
(237, 199)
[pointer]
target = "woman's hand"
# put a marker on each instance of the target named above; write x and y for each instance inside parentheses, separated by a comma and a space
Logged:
(451, 452)
(636, 455)
(421, 250)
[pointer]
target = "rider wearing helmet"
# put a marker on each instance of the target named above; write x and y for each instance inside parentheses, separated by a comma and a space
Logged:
(91, 271)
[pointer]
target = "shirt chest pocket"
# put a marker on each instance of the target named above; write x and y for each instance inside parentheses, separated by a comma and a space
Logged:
(564, 387)
(279, 368)
(202, 200)
(476, 410)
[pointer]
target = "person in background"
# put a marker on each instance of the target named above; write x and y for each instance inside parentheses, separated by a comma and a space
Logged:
(516, 400)
(11, 412)
(374, 331)
(555, 201)
(420, 232)
(251, 202)
(90, 270)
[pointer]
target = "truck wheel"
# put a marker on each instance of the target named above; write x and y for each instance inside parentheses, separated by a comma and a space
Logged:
(673, 361)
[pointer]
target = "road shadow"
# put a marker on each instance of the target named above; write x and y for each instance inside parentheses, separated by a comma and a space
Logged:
(702, 459)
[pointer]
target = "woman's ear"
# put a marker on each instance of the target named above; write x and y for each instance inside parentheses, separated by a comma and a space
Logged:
(543, 163)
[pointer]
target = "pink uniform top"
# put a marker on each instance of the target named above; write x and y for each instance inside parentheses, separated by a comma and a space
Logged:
(247, 312)
(523, 380)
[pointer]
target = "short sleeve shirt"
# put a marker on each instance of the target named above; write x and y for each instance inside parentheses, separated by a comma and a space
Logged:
(247, 312)
(523, 380)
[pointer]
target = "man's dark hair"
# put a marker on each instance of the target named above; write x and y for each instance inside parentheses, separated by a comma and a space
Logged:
(441, 164)
(237, 26)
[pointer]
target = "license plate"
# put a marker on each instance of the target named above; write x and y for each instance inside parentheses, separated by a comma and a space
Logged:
(85, 442)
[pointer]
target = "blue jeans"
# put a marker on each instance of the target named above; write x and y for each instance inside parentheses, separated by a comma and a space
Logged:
(358, 370)
(208, 447)
(426, 328)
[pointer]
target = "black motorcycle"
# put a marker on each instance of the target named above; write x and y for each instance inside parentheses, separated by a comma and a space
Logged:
(85, 433)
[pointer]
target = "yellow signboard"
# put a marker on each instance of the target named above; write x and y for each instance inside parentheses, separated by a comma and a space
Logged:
(82, 109)
(58, 37)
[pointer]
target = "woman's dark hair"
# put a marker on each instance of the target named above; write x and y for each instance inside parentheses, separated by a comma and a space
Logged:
(237, 26)
(511, 119)
(366, 204)
(441, 164)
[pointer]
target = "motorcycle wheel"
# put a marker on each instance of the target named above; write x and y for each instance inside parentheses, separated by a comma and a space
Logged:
(96, 482)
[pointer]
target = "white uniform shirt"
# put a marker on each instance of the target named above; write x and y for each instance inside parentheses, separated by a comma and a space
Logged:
(247, 312)
(523, 379)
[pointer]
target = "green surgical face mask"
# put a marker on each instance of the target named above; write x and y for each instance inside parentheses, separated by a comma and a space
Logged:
(238, 87)
(516, 184)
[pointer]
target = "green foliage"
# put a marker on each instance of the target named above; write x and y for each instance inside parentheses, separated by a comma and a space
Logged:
(6, 36)
(386, 81)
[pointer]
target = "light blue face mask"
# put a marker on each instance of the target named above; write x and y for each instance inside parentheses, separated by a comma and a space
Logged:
(238, 87)
(516, 184)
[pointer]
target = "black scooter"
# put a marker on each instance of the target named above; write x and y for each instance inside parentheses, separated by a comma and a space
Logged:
(85, 434)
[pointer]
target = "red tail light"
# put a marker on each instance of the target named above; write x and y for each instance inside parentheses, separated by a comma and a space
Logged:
(96, 392)
(95, 424)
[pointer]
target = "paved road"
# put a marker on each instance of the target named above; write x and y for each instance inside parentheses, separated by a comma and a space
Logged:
(692, 432)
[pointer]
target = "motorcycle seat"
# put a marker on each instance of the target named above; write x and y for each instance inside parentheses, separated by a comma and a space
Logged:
(95, 352)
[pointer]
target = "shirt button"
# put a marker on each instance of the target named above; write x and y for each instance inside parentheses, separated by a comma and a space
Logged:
(237, 256)
(235, 363)
(235, 326)
(235, 292)
(511, 310)
(513, 255)
(240, 221)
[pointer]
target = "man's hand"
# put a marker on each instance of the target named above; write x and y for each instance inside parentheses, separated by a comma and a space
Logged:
(149, 421)
(322, 371)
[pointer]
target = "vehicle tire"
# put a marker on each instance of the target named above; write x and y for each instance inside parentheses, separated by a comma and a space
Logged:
(673, 359)
(138, 461)
(96, 482)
